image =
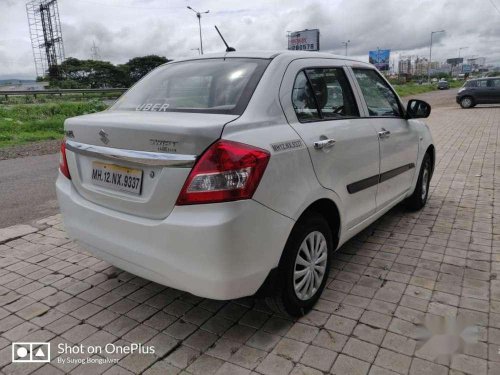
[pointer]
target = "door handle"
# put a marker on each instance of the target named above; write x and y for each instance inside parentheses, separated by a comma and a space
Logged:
(384, 134)
(324, 143)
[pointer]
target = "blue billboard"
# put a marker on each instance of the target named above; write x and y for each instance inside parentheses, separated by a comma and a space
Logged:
(380, 58)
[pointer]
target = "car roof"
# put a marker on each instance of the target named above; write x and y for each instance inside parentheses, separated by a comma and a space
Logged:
(285, 54)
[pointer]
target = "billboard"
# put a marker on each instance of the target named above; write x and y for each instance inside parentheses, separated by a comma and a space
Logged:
(380, 58)
(455, 61)
(305, 40)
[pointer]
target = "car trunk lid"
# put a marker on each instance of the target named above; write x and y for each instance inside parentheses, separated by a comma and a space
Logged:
(155, 150)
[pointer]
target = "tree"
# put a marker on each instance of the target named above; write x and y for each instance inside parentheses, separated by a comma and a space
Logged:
(76, 73)
(138, 67)
(93, 74)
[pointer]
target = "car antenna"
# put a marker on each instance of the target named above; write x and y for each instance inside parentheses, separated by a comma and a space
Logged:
(228, 49)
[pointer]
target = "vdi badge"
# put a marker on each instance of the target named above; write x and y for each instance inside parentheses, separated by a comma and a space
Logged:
(31, 352)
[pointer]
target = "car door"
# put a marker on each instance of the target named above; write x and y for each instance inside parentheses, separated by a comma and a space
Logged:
(496, 90)
(492, 90)
(398, 141)
(320, 105)
(481, 92)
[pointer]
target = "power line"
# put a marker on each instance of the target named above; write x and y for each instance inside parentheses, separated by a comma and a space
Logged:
(495, 6)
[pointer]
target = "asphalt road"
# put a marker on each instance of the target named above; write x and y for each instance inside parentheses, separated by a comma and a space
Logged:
(27, 190)
(27, 184)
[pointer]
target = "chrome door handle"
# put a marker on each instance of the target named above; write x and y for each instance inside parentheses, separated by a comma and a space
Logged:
(384, 134)
(324, 143)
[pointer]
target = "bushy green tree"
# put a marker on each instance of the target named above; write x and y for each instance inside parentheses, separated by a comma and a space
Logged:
(92, 73)
(138, 67)
(76, 73)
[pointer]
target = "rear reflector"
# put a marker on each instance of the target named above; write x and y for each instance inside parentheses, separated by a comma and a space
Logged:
(227, 171)
(63, 162)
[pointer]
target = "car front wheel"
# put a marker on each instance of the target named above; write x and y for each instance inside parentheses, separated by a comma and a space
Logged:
(419, 197)
(304, 267)
(466, 102)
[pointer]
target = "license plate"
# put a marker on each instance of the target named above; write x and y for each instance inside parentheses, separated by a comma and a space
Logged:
(117, 177)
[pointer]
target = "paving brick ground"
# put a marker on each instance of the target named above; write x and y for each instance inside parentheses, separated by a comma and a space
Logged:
(385, 283)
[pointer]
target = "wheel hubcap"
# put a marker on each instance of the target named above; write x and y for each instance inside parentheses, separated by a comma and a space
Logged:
(425, 183)
(466, 102)
(310, 265)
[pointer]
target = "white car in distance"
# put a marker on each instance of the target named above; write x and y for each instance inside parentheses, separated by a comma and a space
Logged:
(237, 173)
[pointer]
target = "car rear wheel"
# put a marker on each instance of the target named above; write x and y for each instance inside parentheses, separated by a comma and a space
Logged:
(419, 197)
(466, 102)
(304, 267)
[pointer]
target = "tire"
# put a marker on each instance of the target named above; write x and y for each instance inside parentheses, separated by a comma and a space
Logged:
(466, 102)
(419, 197)
(287, 297)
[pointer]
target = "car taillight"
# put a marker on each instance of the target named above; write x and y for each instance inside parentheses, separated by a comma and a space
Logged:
(227, 171)
(63, 163)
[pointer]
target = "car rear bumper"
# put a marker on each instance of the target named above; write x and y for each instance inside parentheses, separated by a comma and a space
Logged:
(220, 251)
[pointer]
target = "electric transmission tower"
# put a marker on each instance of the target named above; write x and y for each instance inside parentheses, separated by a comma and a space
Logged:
(95, 52)
(46, 37)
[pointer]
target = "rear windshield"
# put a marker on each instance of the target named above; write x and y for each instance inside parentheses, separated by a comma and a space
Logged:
(206, 86)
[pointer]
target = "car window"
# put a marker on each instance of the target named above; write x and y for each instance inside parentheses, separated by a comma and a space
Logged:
(323, 93)
(207, 86)
(333, 93)
(496, 83)
(303, 99)
(380, 99)
(482, 83)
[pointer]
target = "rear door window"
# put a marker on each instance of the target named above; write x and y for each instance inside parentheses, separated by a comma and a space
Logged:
(323, 94)
(303, 99)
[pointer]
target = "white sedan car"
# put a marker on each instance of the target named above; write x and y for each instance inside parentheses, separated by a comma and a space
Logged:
(240, 173)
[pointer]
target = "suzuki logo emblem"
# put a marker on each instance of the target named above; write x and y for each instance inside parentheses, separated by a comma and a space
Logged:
(104, 137)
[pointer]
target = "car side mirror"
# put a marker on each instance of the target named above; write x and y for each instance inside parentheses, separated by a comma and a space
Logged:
(418, 109)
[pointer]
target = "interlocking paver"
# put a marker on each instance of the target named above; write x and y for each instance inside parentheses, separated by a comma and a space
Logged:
(348, 365)
(441, 261)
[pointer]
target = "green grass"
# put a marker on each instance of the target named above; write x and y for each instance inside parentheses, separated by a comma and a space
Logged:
(55, 98)
(24, 123)
(409, 89)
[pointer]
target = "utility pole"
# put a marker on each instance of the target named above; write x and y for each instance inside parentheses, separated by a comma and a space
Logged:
(430, 55)
(198, 14)
(345, 44)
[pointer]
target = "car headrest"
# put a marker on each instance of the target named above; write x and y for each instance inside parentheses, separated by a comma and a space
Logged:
(321, 91)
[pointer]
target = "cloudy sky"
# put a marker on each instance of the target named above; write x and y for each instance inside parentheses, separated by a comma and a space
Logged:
(123, 29)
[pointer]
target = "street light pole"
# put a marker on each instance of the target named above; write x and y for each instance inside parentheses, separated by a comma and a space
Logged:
(430, 55)
(460, 49)
(345, 44)
(198, 14)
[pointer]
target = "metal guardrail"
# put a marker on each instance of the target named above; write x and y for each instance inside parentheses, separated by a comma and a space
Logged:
(59, 92)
